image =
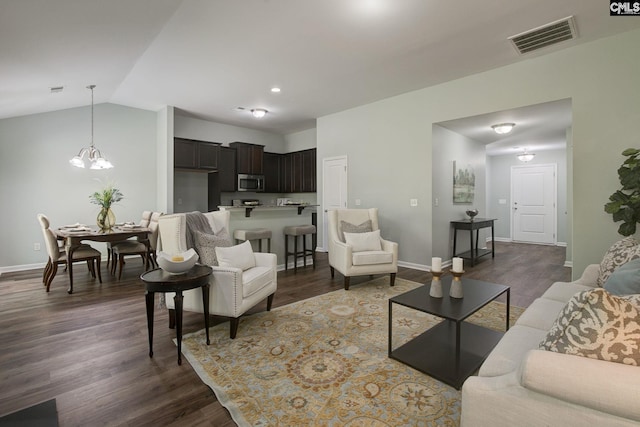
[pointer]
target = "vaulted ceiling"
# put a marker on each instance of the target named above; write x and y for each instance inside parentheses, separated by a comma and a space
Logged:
(208, 57)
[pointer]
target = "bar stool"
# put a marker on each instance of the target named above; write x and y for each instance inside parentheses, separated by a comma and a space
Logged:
(254, 234)
(303, 231)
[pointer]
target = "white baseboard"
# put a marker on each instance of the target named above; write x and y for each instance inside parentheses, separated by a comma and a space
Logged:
(414, 266)
(23, 267)
(568, 264)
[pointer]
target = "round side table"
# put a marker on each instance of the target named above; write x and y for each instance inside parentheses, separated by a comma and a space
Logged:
(158, 280)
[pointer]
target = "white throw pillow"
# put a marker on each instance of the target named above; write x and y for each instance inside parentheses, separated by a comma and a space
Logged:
(239, 256)
(361, 242)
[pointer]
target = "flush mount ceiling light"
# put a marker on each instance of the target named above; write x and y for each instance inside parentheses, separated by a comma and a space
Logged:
(525, 156)
(503, 128)
(275, 90)
(93, 154)
(259, 113)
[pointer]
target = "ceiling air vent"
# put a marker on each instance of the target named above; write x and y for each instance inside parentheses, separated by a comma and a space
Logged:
(546, 35)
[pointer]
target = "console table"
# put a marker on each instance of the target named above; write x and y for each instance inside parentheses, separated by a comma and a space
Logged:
(473, 224)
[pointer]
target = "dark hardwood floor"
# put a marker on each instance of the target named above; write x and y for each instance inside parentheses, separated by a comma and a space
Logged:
(89, 350)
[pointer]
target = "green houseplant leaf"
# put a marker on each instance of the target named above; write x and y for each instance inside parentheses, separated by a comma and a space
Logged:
(624, 204)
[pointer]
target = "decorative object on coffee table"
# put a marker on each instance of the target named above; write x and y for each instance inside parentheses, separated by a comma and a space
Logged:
(436, 271)
(457, 270)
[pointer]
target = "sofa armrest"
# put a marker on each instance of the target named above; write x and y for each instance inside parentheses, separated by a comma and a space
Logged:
(604, 386)
(589, 276)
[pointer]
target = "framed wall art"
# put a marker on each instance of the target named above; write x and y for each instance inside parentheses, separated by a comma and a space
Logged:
(464, 183)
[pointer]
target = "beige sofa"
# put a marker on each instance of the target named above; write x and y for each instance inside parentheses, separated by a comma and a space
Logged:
(520, 385)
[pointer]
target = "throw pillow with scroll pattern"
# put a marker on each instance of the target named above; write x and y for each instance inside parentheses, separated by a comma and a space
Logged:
(618, 254)
(206, 244)
(347, 227)
(598, 325)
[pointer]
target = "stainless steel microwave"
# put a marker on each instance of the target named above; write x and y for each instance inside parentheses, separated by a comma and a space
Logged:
(250, 182)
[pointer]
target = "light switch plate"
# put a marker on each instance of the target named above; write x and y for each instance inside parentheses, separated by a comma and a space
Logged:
(413, 202)
(357, 202)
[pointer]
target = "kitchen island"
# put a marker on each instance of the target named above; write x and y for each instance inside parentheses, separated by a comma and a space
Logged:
(272, 217)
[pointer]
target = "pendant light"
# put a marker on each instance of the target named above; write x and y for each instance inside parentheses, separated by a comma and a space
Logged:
(93, 154)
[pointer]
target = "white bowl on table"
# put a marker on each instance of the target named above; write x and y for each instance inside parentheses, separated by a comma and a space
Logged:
(167, 263)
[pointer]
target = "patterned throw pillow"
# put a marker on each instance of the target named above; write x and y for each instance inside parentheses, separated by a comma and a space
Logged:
(598, 325)
(206, 245)
(619, 253)
(347, 227)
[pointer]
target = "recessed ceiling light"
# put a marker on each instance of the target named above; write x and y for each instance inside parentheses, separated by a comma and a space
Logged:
(239, 109)
(56, 89)
(275, 89)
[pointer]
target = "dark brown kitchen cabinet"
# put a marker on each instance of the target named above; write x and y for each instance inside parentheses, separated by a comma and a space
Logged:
(193, 154)
(273, 168)
(299, 172)
(227, 169)
(308, 184)
(249, 158)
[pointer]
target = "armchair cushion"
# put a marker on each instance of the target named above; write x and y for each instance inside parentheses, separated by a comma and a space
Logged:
(372, 257)
(206, 245)
(239, 256)
(360, 242)
(347, 227)
(598, 325)
(255, 279)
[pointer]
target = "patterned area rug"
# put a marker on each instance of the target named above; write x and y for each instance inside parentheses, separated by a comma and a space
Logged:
(323, 362)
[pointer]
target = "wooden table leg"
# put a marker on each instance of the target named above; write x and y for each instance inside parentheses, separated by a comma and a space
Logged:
(70, 252)
(205, 304)
(177, 299)
(148, 296)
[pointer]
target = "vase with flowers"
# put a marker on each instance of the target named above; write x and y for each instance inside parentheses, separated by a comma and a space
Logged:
(105, 198)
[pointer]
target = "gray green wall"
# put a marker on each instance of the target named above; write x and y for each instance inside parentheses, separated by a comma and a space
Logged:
(389, 143)
(36, 177)
(448, 147)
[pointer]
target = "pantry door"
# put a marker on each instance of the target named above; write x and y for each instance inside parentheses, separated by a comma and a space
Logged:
(334, 190)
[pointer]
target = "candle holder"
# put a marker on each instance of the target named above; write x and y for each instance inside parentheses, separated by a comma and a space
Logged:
(456, 284)
(436, 284)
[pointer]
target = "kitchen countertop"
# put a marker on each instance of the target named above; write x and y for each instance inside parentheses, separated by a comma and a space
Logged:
(249, 208)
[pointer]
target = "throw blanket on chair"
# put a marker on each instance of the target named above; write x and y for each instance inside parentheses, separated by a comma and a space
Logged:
(196, 221)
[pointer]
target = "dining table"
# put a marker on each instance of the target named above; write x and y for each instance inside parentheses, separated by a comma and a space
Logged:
(75, 235)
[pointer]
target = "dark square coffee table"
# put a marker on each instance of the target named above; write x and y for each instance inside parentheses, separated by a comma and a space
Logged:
(454, 349)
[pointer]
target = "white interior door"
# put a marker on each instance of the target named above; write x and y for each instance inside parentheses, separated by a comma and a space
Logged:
(533, 199)
(334, 189)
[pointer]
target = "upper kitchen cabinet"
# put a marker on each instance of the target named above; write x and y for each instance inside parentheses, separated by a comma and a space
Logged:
(249, 158)
(299, 172)
(193, 154)
(273, 167)
(227, 169)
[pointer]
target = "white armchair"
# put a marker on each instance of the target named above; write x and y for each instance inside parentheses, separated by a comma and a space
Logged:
(342, 256)
(232, 290)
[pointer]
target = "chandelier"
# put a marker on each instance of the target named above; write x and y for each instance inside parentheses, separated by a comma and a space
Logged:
(93, 154)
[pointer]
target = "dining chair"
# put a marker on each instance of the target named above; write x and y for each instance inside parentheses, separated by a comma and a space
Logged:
(144, 222)
(137, 247)
(58, 256)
